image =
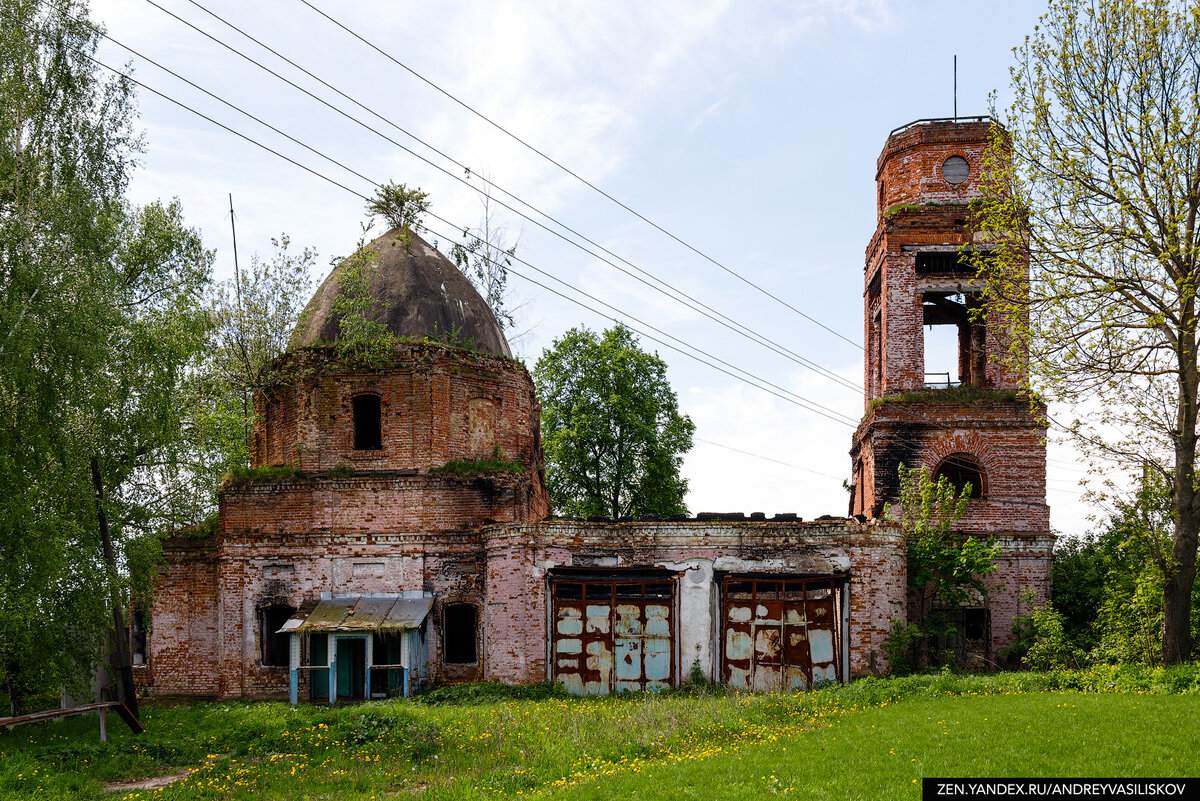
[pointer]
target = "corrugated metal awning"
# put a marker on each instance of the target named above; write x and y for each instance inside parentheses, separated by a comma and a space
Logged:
(360, 613)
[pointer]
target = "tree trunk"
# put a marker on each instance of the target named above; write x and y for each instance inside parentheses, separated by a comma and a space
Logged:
(1179, 570)
(126, 693)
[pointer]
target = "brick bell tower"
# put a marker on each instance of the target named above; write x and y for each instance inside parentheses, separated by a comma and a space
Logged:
(934, 397)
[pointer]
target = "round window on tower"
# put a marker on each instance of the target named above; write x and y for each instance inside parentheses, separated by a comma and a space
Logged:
(955, 170)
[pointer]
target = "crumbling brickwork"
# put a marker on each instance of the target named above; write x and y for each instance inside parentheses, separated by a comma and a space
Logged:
(403, 517)
(422, 477)
(915, 276)
(520, 557)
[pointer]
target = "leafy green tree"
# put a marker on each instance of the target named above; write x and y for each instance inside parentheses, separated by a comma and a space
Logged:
(945, 567)
(611, 428)
(100, 321)
(1129, 618)
(253, 316)
(1042, 640)
(1100, 202)
(1078, 576)
(401, 207)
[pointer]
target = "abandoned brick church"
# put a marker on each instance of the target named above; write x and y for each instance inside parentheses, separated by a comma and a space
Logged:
(410, 543)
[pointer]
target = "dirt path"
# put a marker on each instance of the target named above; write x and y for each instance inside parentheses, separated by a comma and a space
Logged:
(152, 783)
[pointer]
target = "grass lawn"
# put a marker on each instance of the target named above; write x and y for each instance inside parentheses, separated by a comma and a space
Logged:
(868, 740)
(883, 753)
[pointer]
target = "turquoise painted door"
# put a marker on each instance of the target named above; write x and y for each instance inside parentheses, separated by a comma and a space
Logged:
(351, 666)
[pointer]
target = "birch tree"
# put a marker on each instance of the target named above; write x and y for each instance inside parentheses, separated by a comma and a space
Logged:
(1095, 188)
(100, 321)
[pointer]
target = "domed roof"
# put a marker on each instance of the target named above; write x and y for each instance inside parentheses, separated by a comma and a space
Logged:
(418, 293)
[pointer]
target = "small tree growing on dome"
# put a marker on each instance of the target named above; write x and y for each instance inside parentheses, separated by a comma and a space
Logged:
(401, 207)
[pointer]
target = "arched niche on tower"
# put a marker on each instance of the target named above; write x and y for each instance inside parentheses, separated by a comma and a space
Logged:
(960, 469)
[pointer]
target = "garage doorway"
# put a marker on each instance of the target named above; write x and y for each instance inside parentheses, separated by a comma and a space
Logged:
(613, 632)
(780, 633)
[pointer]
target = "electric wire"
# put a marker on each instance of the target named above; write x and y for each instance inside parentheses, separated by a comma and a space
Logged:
(748, 377)
(802, 403)
(578, 177)
(767, 459)
(660, 286)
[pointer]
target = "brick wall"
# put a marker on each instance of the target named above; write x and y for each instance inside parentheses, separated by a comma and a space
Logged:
(1024, 566)
(520, 556)
(353, 521)
(909, 167)
(181, 645)
(1004, 436)
(437, 404)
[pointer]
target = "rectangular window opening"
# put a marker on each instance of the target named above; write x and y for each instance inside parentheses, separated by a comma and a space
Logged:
(954, 341)
(368, 429)
(460, 634)
(273, 647)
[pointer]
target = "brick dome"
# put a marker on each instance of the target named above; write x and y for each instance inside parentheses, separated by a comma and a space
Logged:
(418, 294)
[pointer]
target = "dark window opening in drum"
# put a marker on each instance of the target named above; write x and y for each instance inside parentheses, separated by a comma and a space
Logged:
(368, 431)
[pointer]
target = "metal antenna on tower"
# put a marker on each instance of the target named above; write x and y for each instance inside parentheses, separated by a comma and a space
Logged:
(956, 86)
(237, 275)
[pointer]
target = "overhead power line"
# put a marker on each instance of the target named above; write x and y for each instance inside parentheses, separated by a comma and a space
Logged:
(578, 177)
(659, 285)
(704, 356)
(768, 459)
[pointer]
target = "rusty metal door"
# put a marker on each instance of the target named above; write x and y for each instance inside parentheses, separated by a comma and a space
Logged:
(779, 634)
(612, 633)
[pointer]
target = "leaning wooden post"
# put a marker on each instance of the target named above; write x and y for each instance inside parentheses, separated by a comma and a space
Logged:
(125, 689)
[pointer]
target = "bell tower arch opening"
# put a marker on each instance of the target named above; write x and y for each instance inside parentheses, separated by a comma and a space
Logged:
(938, 391)
(962, 470)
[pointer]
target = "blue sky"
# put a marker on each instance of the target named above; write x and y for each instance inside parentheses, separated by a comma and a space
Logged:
(749, 130)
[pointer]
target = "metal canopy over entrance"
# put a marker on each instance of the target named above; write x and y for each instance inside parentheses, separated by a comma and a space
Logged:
(613, 632)
(779, 633)
(347, 637)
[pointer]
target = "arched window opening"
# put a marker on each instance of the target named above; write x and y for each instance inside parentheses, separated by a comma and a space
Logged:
(961, 469)
(368, 430)
(274, 647)
(460, 634)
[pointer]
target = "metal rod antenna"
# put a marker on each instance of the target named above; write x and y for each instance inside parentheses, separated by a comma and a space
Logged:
(956, 85)
(237, 276)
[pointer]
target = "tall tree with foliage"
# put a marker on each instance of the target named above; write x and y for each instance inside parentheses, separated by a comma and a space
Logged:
(611, 428)
(100, 321)
(1101, 199)
(253, 316)
(1108, 586)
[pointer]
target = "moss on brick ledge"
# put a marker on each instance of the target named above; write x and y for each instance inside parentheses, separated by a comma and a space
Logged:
(495, 463)
(965, 394)
(272, 474)
(205, 529)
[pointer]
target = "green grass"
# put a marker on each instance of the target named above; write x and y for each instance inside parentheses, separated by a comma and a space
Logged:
(882, 753)
(866, 740)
